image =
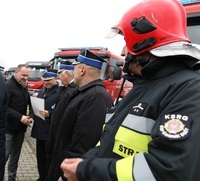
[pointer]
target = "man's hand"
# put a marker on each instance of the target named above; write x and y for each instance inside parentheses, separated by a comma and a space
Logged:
(44, 113)
(30, 121)
(26, 120)
(69, 167)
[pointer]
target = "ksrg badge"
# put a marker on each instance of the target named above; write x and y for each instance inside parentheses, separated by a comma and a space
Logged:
(175, 127)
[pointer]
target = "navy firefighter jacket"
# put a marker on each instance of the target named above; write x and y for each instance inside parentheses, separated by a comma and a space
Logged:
(153, 134)
(41, 127)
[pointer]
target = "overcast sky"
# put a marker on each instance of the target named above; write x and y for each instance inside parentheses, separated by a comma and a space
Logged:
(33, 30)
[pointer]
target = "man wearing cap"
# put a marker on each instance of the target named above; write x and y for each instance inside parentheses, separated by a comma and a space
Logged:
(40, 128)
(153, 134)
(81, 124)
(66, 77)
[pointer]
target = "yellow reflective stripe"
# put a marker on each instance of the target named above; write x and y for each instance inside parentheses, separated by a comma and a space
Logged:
(98, 144)
(128, 142)
(124, 169)
(104, 125)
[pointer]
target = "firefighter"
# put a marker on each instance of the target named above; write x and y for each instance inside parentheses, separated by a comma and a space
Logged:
(153, 133)
(41, 127)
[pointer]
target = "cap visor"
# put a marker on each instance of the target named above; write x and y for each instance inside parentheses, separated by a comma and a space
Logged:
(47, 78)
(59, 71)
(75, 62)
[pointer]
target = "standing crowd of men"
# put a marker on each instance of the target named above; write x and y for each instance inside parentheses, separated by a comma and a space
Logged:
(64, 129)
(152, 134)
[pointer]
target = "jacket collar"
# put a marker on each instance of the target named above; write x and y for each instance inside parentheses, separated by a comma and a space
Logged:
(162, 67)
(91, 84)
(13, 78)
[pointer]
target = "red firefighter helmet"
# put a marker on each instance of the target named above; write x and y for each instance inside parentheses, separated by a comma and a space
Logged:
(151, 24)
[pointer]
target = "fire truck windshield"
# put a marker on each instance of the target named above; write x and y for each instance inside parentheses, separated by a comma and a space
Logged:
(36, 74)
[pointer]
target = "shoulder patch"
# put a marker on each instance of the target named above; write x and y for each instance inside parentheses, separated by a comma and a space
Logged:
(175, 127)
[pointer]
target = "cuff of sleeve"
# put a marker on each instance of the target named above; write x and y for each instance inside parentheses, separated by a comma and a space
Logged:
(144, 173)
(124, 169)
(82, 171)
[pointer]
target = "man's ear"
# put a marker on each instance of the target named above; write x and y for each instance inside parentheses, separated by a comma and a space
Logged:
(66, 74)
(83, 70)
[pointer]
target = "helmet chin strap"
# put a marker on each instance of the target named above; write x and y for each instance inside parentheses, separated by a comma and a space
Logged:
(142, 61)
(129, 58)
(137, 59)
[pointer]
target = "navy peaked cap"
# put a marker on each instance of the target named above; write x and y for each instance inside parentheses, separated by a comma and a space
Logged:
(49, 75)
(65, 67)
(89, 58)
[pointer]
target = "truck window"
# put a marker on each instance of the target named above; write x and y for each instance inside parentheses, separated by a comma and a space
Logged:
(193, 26)
(194, 33)
(192, 8)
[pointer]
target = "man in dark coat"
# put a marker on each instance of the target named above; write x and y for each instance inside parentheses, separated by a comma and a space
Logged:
(66, 77)
(81, 124)
(3, 106)
(41, 126)
(17, 118)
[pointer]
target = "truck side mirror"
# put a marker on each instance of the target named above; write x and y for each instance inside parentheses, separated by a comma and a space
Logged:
(104, 71)
(111, 72)
(119, 63)
(117, 70)
(117, 73)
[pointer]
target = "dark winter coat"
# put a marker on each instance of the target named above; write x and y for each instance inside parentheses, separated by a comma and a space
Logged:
(3, 106)
(18, 100)
(81, 125)
(40, 128)
(65, 94)
(61, 91)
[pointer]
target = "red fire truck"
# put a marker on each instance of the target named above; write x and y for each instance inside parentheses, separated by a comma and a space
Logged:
(111, 73)
(35, 81)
